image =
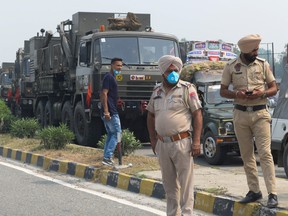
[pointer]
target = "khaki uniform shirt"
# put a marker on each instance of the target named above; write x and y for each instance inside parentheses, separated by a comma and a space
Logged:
(173, 109)
(248, 77)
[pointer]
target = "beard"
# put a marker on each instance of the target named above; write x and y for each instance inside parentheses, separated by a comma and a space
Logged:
(249, 58)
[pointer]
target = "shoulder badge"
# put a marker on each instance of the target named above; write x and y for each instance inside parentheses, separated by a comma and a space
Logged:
(237, 67)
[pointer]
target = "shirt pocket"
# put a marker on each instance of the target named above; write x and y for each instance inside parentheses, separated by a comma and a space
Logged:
(175, 103)
(158, 104)
(238, 79)
(257, 77)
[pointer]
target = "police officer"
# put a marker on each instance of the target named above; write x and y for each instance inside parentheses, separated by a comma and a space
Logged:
(171, 108)
(253, 82)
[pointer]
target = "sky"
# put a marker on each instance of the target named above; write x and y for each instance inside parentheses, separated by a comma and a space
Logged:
(227, 20)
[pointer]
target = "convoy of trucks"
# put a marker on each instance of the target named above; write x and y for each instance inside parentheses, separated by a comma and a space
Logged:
(58, 78)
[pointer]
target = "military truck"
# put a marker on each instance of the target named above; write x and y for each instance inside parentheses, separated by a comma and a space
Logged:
(6, 72)
(67, 71)
(22, 94)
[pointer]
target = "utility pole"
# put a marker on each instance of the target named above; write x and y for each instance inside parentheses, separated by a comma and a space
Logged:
(273, 63)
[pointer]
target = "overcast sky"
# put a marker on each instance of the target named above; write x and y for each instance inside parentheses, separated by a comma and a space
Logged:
(190, 19)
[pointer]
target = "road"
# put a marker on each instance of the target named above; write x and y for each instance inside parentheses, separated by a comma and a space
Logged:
(26, 190)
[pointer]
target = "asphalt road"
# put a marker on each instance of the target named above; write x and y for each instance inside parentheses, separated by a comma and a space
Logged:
(26, 190)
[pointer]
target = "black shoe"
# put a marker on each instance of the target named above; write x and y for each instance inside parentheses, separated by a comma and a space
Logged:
(107, 162)
(251, 197)
(272, 201)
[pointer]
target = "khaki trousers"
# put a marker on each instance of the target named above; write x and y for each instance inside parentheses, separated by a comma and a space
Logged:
(257, 124)
(177, 174)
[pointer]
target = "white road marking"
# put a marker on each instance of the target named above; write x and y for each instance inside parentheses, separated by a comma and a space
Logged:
(105, 196)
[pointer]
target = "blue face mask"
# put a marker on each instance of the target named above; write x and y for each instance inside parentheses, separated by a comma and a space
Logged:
(116, 72)
(173, 77)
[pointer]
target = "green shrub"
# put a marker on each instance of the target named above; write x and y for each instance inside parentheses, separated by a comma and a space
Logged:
(129, 143)
(24, 128)
(5, 117)
(4, 110)
(6, 121)
(56, 137)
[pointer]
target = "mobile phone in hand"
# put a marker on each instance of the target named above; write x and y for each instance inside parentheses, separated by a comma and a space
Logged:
(249, 92)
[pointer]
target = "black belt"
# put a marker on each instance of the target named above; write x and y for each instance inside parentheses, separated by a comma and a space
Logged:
(249, 108)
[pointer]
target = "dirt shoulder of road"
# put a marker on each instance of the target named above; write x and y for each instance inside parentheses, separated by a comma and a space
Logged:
(80, 154)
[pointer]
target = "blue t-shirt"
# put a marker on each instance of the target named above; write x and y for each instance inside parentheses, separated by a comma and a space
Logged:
(109, 82)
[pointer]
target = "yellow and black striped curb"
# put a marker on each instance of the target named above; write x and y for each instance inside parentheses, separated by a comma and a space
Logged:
(203, 201)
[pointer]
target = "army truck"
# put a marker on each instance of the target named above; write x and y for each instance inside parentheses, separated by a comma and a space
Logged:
(6, 72)
(67, 71)
(22, 94)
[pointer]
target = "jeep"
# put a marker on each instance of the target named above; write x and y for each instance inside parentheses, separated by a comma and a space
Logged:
(218, 137)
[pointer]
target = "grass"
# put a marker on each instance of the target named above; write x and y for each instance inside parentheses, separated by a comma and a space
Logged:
(80, 154)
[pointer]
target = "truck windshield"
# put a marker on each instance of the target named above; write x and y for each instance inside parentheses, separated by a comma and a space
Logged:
(138, 51)
(213, 95)
(4, 79)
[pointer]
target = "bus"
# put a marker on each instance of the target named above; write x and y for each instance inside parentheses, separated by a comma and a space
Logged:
(209, 50)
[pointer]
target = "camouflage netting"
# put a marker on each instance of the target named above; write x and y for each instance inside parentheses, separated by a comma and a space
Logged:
(209, 67)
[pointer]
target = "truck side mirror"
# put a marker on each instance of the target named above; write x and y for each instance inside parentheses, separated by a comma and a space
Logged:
(97, 64)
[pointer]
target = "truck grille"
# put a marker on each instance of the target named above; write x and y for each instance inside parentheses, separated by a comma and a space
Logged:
(136, 90)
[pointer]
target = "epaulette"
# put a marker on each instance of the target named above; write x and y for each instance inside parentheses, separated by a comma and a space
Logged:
(261, 59)
(186, 84)
(231, 61)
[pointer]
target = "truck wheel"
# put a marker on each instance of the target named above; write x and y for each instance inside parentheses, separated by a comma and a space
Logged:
(67, 115)
(86, 133)
(285, 159)
(81, 126)
(48, 115)
(40, 113)
(213, 153)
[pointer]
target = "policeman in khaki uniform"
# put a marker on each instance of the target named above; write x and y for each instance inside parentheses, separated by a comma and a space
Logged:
(253, 82)
(171, 108)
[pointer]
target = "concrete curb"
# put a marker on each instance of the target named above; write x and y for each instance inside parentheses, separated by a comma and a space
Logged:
(203, 201)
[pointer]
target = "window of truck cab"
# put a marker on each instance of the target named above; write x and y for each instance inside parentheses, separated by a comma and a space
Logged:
(85, 54)
(136, 50)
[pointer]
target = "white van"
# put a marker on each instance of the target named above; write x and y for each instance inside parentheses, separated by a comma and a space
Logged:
(279, 144)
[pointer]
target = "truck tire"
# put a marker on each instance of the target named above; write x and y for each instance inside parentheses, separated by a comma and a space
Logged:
(87, 134)
(48, 114)
(285, 159)
(213, 153)
(67, 116)
(40, 113)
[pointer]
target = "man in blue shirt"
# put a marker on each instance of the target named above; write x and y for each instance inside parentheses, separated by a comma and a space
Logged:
(110, 117)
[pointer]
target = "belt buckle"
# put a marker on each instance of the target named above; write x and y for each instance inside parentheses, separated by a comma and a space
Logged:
(249, 108)
(166, 139)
